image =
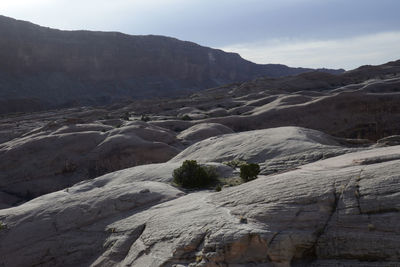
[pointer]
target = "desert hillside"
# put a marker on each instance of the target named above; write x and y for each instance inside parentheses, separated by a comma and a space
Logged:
(94, 186)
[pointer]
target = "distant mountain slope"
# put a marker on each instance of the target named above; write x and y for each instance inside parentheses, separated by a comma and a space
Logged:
(43, 68)
(310, 81)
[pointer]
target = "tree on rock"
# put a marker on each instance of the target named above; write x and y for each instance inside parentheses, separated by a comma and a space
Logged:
(249, 171)
(192, 175)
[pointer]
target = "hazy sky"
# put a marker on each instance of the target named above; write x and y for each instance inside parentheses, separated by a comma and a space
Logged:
(307, 33)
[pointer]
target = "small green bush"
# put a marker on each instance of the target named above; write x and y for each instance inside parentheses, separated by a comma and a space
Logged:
(126, 116)
(2, 226)
(186, 118)
(192, 175)
(144, 118)
(235, 163)
(249, 171)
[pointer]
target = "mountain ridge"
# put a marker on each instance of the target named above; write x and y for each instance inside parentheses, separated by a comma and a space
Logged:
(48, 68)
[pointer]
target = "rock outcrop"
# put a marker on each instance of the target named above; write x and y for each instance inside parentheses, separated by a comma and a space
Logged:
(276, 149)
(57, 156)
(203, 131)
(339, 211)
(359, 104)
(365, 110)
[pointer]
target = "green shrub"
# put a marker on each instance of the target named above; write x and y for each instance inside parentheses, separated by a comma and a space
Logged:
(186, 118)
(144, 118)
(249, 171)
(218, 188)
(126, 116)
(235, 163)
(192, 175)
(2, 226)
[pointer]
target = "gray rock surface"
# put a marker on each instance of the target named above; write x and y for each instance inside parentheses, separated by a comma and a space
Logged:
(339, 211)
(276, 149)
(365, 110)
(393, 140)
(191, 113)
(217, 112)
(203, 131)
(57, 156)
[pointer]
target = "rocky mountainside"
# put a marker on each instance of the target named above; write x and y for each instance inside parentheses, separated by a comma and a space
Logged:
(46, 68)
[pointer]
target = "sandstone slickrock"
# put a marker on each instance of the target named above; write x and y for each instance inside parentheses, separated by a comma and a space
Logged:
(78, 217)
(276, 149)
(203, 131)
(218, 112)
(358, 104)
(393, 140)
(56, 156)
(339, 211)
(366, 110)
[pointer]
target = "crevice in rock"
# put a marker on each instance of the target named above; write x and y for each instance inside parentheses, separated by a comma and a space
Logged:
(188, 257)
(310, 254)
(201, 243)
(134, 235)
(273, 238)
(291, 222)
(357, 191)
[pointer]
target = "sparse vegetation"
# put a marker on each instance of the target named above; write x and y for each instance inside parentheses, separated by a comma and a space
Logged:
(218, 188)
(230, 181)
(242, 219)
(249, 171)
(235, 163)
(199, 258)
(144, 117)
(192, 175)
(186, 118)
(371, 227)
(126, 116)
(2, 226)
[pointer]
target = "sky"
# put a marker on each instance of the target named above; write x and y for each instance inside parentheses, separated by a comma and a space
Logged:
(299, 33)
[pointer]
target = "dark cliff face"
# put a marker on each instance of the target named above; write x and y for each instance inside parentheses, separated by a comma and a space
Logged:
(43, 68)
